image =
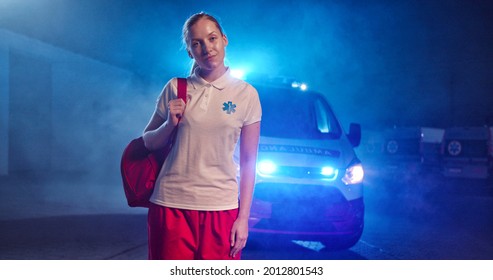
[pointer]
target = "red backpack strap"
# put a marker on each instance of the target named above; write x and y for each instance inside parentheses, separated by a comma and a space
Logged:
(182, 89)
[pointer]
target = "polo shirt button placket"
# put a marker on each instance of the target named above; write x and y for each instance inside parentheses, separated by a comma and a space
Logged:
(205, 102)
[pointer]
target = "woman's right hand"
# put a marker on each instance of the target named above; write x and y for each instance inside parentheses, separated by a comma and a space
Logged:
(176, 108)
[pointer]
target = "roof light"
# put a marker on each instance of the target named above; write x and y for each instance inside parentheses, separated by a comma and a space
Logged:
(301, 86)
(238, 73)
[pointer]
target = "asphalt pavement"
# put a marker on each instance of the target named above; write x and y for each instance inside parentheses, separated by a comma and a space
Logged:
(68, 217)
(82, 217)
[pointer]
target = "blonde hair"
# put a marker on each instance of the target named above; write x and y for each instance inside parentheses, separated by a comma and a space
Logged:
(193, 19)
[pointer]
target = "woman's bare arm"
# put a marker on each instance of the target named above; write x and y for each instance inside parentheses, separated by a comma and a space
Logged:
(248, 158)
(158, 130)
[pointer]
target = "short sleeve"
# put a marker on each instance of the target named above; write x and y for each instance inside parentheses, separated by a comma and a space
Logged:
(254, 112)
(169, 92)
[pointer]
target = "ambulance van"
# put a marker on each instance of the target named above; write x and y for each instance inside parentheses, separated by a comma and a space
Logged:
(309, 183)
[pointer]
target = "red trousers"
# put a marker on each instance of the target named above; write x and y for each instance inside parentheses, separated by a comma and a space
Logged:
(177, 234)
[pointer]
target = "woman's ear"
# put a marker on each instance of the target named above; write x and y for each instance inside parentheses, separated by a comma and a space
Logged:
(190, 54)
(225, 39)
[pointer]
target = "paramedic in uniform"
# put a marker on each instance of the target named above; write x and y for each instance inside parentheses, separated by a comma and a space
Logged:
(202, 197)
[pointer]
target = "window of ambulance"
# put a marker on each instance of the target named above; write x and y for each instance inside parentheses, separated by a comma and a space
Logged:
(291, 113)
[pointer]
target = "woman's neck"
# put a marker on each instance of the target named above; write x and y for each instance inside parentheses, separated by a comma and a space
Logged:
(214, 74)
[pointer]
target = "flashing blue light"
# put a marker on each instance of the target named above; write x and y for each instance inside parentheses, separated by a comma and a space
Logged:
(238, 73)
(301, 86)
(266, 167)
(328, 171)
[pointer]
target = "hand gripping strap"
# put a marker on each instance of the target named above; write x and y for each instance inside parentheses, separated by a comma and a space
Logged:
(140, 167)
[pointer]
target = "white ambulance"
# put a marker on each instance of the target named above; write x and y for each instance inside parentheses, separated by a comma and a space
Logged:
(309, 183)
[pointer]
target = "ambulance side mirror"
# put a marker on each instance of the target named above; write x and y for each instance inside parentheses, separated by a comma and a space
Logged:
(354, 135)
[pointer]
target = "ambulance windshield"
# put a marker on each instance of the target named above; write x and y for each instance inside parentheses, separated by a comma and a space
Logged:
(289, 113)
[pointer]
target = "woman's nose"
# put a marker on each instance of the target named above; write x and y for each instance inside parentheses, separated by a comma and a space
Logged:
(206, 48)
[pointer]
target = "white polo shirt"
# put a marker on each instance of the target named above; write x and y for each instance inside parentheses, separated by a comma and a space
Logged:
(200, 172)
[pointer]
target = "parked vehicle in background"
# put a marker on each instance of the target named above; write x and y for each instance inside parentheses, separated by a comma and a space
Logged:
(431, 149)
(370, 151)
(309, 180)
(401, 154)
(466, 152)
(401, 158)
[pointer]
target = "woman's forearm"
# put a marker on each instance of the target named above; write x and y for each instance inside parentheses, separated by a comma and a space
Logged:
(157, 138)
(248, 158)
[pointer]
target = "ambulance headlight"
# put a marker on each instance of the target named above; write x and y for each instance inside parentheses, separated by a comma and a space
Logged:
(266, 167)
(354, 174)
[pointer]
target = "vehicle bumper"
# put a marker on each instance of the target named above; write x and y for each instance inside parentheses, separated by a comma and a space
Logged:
(323, 213)
(468, 171)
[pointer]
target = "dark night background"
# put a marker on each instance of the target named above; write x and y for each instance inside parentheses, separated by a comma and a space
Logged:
(79, 80)
(381, 63)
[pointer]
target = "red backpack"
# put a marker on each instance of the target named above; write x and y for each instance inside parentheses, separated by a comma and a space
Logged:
(140, 167)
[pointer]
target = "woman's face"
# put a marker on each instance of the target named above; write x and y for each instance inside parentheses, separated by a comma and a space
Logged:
(207, 45)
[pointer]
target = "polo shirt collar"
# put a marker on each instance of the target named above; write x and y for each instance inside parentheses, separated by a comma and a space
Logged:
(220, 83)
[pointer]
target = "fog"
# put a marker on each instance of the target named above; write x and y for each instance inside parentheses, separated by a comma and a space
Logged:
(97, 67)
(430, 59)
